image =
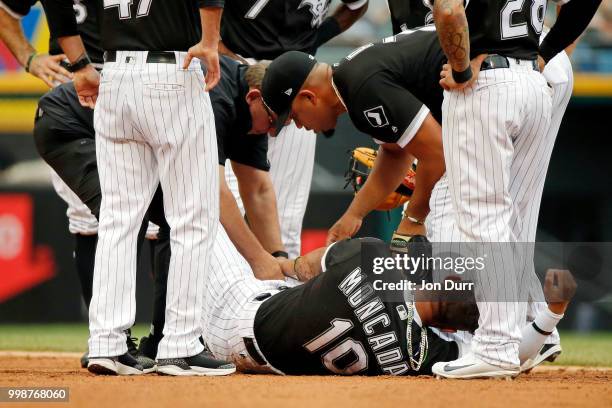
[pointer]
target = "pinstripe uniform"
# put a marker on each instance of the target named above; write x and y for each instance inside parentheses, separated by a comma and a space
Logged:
(497, 148)
(230, 304)
(142, 138)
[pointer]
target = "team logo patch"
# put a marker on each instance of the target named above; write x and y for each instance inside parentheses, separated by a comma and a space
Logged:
(376, 116)
(318, 8)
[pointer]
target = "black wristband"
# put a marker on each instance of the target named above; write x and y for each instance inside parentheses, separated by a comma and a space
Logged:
(30, 58)
(79, 64)
(463, 76)
(279, 254)
(328, 29)
(542, 332)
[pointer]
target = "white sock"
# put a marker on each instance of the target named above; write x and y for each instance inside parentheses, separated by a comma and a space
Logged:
(533, 340)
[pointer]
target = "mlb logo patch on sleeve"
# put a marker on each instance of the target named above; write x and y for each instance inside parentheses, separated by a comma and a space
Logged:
(376, 116)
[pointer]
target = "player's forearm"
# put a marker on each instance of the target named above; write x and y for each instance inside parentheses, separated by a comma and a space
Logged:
(261, 210)
(210, 18)
(573, 19)
(12, 35)
(427, 148)
(73, 47)
(453, 32)
(343, 18)
(389, 170)
(347, 17)
(237, 229)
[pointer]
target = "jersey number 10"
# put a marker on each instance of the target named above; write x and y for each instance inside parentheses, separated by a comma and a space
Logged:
(125, 10)
(510, 30)
(349, 349)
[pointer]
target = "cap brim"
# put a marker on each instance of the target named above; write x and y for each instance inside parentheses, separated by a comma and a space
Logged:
(280, 122)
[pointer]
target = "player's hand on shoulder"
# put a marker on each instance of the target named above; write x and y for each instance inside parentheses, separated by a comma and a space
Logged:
(48, 68)
(345, 227)
(448, 82)
(267, 268)
(210, 57)
(86, 82)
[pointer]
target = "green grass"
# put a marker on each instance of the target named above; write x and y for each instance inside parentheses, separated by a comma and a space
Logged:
(594, 349)
(50, 337)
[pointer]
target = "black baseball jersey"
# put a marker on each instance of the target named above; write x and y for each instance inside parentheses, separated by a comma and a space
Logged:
(152, 25)
(389, 88)
(337, 324)
(264, 29)
(407, 14)
(62, 103)
(86, 12)
(506, 27)
(17, 8)
(233, 119)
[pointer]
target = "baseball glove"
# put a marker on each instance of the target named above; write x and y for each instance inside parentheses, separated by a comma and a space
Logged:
(360, 165)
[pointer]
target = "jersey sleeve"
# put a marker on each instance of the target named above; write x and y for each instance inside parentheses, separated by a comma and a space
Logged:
(250, 150)
(16, 8)
(355, 4)
(386, 111)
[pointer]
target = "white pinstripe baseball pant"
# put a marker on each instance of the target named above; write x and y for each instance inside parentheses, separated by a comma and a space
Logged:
(230, 305)
(154, 123)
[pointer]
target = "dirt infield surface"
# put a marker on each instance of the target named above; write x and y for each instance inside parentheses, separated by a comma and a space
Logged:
(545, 387)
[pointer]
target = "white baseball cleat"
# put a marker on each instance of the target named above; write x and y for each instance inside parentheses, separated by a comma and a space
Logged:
(548, 352)
(468, 367)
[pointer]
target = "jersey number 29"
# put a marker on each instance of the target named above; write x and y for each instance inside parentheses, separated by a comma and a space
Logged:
(125, 10)
(349, 350)
(510, 30)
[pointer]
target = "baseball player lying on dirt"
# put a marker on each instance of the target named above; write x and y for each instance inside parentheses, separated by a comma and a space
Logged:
(332, 324)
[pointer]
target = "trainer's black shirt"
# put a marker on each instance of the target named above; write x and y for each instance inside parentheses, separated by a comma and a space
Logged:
(407, 14)
(334, 324)
(153, 25)
(389, 87)
(266, 29)
(233, 119)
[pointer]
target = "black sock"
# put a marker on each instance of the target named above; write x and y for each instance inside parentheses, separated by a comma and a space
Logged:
(84, 258)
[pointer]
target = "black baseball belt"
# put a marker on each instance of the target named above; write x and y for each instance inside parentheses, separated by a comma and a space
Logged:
(153, 57)
(495, 61)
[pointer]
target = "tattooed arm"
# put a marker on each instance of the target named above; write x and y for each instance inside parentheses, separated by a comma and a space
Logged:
(453, 32)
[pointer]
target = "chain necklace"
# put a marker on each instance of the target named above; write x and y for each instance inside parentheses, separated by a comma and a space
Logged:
(424, 345)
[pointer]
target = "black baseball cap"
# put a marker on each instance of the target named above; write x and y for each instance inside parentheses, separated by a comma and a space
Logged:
(283, 79)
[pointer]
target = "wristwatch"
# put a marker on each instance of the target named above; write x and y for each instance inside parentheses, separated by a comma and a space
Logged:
(79, 64)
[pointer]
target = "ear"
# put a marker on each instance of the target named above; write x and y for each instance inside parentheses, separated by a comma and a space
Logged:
(253, 95)
(308, 95)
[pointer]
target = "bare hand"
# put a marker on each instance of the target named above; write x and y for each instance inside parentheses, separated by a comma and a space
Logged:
(448, 82)
(48, 69)
(86, 83)
(559, 288)
(541, 63)
(210, 57)
(345, 227)
(267, 268)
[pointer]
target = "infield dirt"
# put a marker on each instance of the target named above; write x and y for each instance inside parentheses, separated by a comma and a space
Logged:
(544, 387)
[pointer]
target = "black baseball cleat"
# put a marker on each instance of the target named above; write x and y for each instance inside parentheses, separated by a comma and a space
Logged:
(148, 364)
(85, 359)
(203, 364)
(148, 346)
(124, 364)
